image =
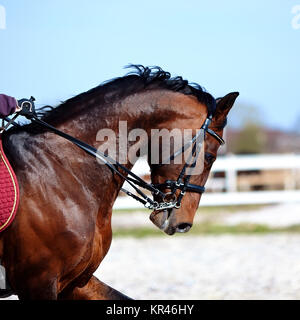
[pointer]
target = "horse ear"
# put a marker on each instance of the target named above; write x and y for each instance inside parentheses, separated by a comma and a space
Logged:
(225, 104)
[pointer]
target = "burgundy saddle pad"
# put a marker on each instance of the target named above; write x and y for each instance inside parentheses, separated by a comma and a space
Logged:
(9, 191)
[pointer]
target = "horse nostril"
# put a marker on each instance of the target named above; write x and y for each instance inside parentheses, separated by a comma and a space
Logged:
(183, 227)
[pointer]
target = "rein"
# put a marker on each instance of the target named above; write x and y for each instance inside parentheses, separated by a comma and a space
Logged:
(170, 200)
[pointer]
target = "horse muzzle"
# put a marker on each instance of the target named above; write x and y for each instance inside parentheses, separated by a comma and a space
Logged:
(167, 222)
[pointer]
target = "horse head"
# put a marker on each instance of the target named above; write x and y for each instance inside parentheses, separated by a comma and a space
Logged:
(180, 218)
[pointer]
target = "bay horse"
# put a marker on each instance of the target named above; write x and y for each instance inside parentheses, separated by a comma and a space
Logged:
(62, 230)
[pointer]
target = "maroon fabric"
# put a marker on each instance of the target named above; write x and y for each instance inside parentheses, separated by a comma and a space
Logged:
(7, 105)
(9, 192)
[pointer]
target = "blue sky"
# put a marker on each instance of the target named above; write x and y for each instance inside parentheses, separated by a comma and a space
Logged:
(57, 49)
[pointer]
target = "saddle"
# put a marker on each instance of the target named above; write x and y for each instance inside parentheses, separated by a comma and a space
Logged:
(9, 187)
(9, 191)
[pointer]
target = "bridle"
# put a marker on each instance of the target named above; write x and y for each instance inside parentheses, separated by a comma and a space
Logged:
(169, 199)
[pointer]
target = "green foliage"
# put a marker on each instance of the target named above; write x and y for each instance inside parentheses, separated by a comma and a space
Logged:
(203, 229)
(247, 119)
(251, 139)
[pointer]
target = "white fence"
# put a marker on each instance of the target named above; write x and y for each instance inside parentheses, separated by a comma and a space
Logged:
(230, 165)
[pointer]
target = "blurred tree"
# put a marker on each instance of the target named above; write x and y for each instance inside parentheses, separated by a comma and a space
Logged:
(250, 139)
(247, 123)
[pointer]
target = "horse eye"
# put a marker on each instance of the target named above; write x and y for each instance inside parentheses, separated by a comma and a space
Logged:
(209, 158)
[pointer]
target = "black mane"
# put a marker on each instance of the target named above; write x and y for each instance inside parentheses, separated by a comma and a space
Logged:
(140, 78)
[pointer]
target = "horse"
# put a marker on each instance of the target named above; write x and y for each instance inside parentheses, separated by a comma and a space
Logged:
(62, 230)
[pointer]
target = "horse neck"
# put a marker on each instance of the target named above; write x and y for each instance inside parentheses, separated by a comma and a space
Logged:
(139, 111)
(155, 109)
(148, 110)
